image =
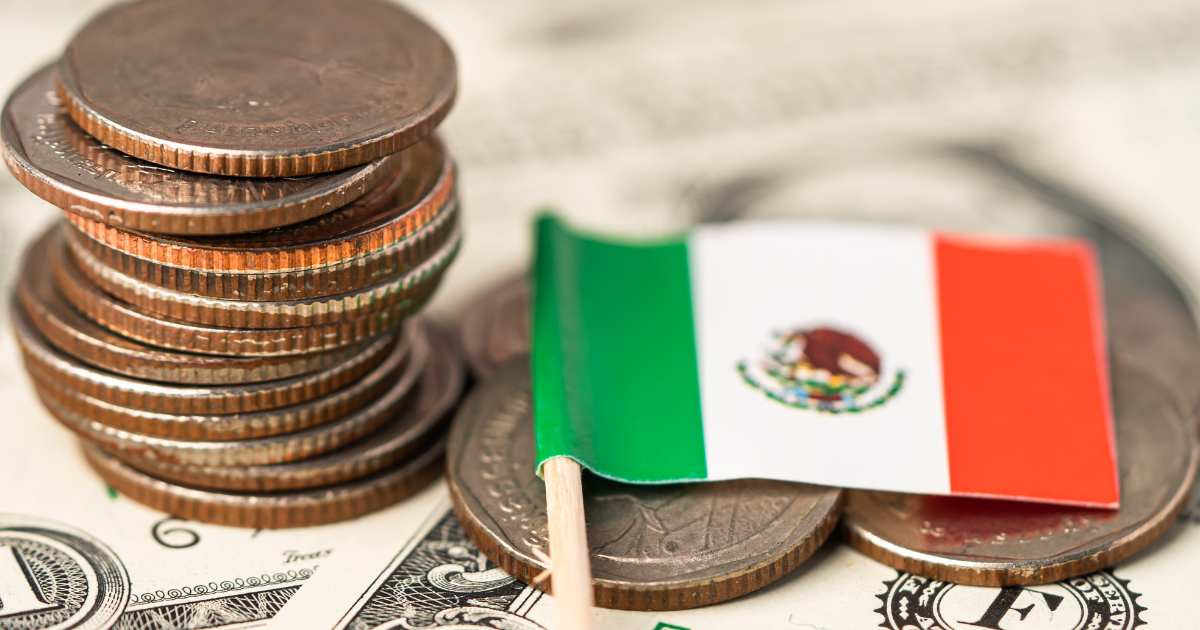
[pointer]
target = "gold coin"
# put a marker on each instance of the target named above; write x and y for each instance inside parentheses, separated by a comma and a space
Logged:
(135, 323)
(386, 301)
(72, 333)
(321, 86)
(273, 449)
(411, 430)
(131, 428)
(268, 510)
(1007, 543)
(58, 162)
(42, 359)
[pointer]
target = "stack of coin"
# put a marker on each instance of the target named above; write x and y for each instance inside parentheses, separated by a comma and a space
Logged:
(255, 207)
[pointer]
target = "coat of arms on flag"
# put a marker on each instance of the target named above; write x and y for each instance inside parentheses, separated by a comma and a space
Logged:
(822, 369)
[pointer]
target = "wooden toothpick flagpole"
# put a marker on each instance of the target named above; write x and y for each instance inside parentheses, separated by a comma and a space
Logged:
(571, 571)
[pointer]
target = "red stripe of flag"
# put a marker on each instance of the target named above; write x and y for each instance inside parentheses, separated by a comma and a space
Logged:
(1025, 371)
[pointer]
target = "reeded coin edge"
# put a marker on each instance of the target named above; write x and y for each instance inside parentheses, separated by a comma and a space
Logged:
(445, 371)
(387, 299)
(246, 162)
(315, 506)
(441, 197)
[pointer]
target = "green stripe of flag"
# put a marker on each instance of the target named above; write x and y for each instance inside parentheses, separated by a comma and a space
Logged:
(615, 380)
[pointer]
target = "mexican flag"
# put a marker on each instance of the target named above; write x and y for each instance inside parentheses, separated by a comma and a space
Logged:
(851, 355)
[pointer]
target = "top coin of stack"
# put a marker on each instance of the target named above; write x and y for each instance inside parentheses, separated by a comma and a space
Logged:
(255, 203)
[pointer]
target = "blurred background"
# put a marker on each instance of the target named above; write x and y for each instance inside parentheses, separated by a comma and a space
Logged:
(642, 117)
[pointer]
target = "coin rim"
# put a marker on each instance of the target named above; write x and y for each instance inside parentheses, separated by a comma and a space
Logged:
(623, 594)
(156, 148)
(1065, 565)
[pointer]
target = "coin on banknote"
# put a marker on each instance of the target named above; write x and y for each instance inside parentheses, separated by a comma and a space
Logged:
(158, 434)
(383, 234)
(653, 547)
(392, 384)
(47, 363)
(496, 328)
(60, 163)
(1005, 543)
(77, 336)
(133, 322)
(409, 431)
(213, 87)
(298, 508)
(388, 301)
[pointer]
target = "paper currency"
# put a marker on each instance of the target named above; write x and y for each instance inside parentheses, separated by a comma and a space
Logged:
(577, 105)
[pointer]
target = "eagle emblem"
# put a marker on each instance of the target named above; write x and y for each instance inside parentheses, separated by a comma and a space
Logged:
(823, 369)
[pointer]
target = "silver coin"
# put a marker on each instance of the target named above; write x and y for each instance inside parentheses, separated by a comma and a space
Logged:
(1002, 543)
(396, 371)
(413, 429)
(495, 328)
(653, 547)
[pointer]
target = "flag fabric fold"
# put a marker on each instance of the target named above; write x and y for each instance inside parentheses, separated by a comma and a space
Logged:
(849, 355)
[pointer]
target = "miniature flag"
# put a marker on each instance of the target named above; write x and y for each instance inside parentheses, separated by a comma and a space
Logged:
(845, 355)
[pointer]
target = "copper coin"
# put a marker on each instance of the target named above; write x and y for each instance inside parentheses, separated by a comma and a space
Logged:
(41, 358)
(397, 376)
(82, 339)
(157, 330)
(270, 510)
(665, 547)
(228, 266)
(258, 89)
(411, 430)
(495, 328)
(391, 300)
(92, 415)
(55, 159)
(1006, 543)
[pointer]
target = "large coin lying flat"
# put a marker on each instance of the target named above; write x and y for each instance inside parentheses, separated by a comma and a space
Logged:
(653, 547)
(1004, 543)
(258, 89)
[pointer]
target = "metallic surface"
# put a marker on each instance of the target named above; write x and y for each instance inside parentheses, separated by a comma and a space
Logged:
(653, 547)
(411, 430)
(72, 333)
(208, 87)
(60, 163)
(276, 509)
(135, 323)
(422, 189)
(387, 301)
(495, 328)
(1003, 543)
(273, 449)
(47, 363)
(128, 426)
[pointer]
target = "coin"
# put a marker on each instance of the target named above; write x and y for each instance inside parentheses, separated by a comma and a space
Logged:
(55, 159)
(210, 87)
(273, 449)
(495, 328)
(1161, 333)
(83, 339)
(387, 301)
(234, 267)
(411, 430)
(270, 510)
(663, 547)
(1006, 543)
(136, 323)
(92, 415)
(40, 357)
